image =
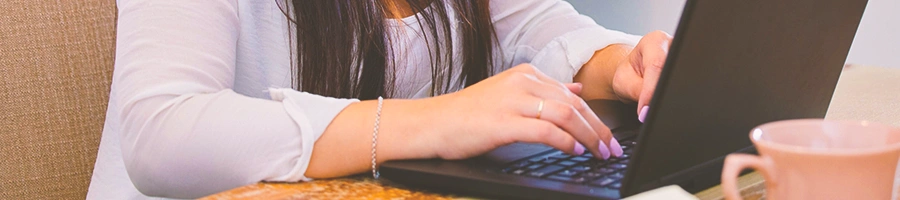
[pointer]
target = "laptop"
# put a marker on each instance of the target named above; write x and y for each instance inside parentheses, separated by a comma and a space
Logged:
(733, 64)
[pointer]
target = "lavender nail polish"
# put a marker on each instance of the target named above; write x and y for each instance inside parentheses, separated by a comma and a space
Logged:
(579, 149)
(604, 150)
(615, 147)
(643, 114)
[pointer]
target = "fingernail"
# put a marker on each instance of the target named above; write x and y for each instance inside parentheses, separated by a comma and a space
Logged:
(643, 114)
(615, 147)
(579, 149)
(604, 150)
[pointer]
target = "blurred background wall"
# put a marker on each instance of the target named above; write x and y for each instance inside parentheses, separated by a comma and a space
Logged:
(877, 41)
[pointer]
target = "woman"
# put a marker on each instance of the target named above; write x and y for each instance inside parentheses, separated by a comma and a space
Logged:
(215, 94)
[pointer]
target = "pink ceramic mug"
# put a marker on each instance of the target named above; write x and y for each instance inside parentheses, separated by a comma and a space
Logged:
(820, 159)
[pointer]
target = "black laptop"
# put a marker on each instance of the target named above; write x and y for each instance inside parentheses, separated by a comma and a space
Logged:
(733, 64)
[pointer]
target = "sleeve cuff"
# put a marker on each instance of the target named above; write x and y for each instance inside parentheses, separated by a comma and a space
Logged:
(312, 113)
(563, 57)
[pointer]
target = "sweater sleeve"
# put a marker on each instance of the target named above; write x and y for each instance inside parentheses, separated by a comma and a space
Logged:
(185, 133)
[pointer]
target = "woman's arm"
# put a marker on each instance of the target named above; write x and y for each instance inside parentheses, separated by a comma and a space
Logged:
(597, 74)
(553, 36)
(345, 147)
(184, 132)
(625, 73)
(494, 112)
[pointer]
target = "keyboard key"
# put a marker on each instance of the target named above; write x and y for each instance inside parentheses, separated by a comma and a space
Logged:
(545, 171)
(603, 182)
(617, 166)
(613, 159)
(579, 180)
(567, 173)
(566, 163)
(560, 156)
(581, 168)
(534, 166)
(615, 185)
(592, 175)
(549, 161)
(579, 159)
(538, 159)
(521, 164)
(518, 172)
(604, 170)
(617, 175)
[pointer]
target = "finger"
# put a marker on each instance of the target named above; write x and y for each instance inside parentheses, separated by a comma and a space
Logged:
(599, 127)
(653, 51)
(540, 131)
(573, 122)
(653, 62)
(548, 91)
(606, 147)
(575, 88)
(570, 120)
(660, 38)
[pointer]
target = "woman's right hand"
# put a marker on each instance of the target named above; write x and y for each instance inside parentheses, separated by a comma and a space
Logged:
(505, 108)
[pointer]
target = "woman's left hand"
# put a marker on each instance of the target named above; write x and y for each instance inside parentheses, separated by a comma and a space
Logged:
(636, 75)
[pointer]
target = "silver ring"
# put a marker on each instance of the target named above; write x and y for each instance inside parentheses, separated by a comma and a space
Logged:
(540, 109)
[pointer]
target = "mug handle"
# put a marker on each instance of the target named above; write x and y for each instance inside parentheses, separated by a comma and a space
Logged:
(736, 162)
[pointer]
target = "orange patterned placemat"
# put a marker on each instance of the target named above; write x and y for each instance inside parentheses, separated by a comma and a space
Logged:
(344, 188)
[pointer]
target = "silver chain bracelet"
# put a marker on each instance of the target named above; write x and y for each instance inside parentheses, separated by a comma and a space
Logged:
(375, 136)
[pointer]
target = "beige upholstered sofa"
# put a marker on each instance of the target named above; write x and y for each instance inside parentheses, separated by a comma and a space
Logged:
(56, 61)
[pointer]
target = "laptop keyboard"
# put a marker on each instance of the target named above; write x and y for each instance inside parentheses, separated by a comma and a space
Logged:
(584, 169)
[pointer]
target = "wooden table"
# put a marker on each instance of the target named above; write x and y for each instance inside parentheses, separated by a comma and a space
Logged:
(364, 187)
(863, 93)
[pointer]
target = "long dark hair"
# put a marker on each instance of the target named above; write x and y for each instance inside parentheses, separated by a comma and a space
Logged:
(343, 51)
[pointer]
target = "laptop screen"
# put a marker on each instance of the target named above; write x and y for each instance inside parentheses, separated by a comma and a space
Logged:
(735, 64)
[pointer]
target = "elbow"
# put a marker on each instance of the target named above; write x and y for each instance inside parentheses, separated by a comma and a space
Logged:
(150, 180)
(166, 155)
(153, 169)
(149, 175)
(150, 153)
(160, 178)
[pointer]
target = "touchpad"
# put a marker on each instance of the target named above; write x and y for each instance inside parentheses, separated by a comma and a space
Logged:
(615, 114)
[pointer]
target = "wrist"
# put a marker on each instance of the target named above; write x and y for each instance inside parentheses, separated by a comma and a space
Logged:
(404, 130)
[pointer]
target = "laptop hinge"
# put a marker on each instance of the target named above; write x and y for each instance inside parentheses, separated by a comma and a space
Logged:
(698, 177)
